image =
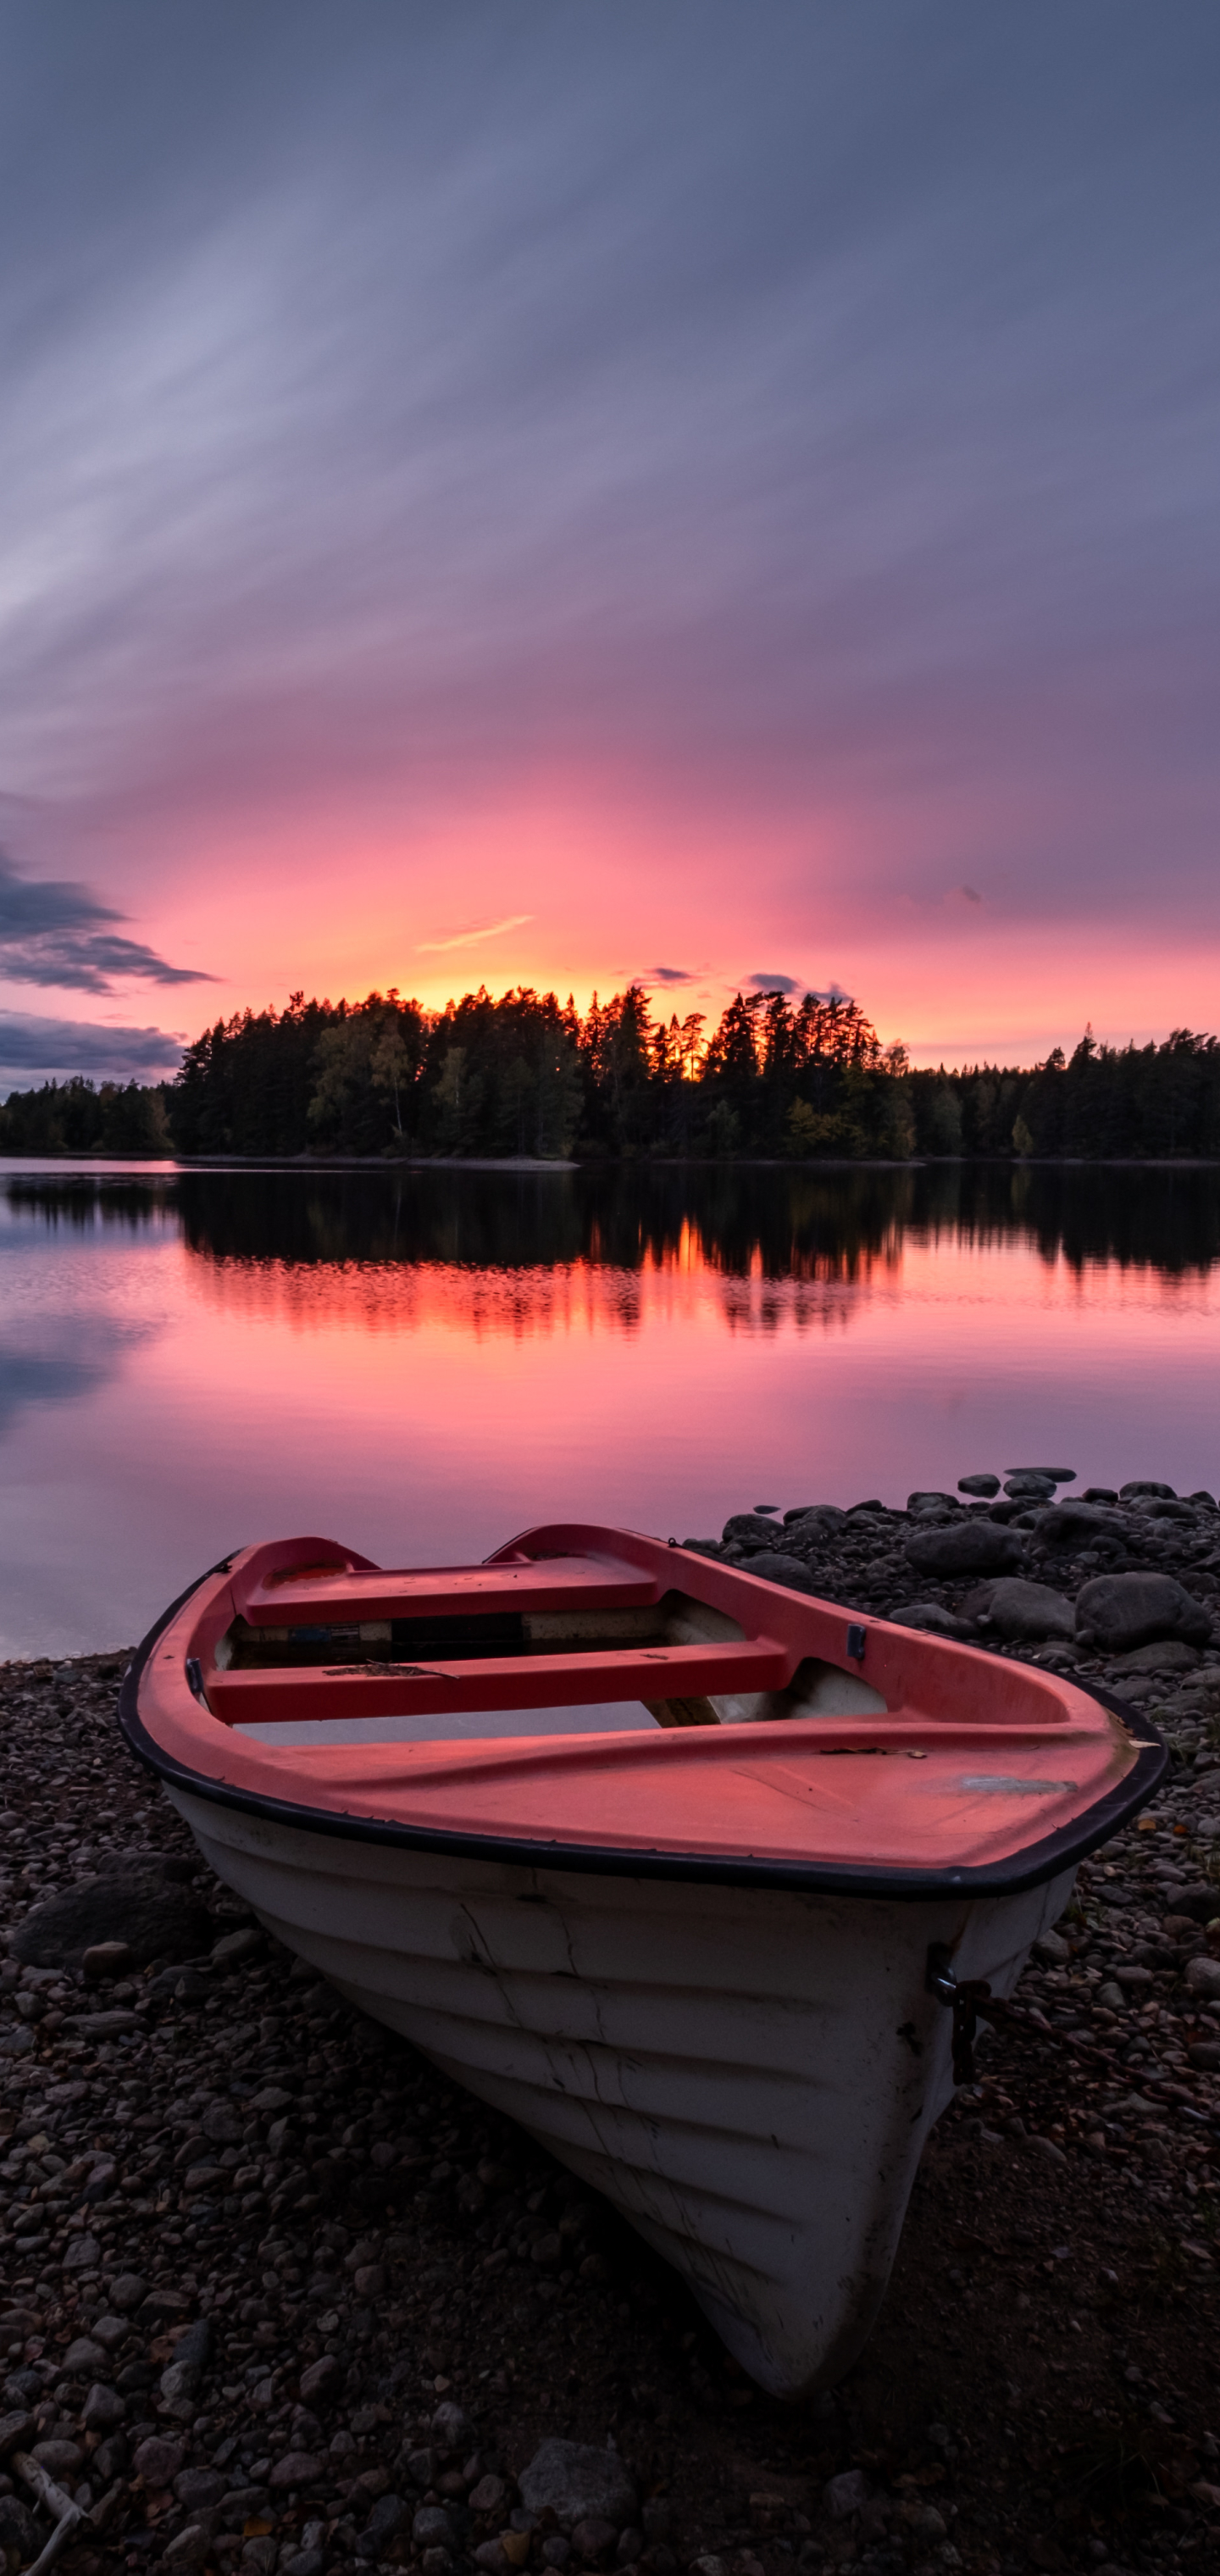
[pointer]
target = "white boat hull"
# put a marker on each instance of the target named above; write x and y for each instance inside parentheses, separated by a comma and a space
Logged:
(748, 2075)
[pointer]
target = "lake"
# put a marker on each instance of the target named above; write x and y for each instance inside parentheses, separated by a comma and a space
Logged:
(423, 1362)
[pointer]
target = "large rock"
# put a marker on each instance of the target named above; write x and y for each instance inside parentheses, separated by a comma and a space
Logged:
(580, 2484)
(1073, 1525)
(1118, 1611)
(985, 1485)
(774, 1566)
(1027, 1611)
(973, 1545)
(156, 1920)
(749, 1529)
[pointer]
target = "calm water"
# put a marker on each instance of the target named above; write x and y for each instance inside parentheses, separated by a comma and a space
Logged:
(423, 1364)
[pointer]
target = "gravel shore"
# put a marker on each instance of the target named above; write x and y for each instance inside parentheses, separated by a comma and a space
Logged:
(275, 2296)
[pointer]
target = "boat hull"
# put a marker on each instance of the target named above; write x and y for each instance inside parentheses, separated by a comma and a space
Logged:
(748, 2074)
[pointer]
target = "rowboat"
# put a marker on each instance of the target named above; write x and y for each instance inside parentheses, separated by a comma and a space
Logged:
(701, 1880)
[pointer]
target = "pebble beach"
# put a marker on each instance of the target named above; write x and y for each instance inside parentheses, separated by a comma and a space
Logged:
(275, 2296)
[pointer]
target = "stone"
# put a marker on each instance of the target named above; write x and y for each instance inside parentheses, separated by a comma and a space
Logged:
(158, 2461)
(222, 2124)
(388, 2517)
(773, 1566)
(490, 2556)
(1051, 1475)
(488, 2496)
(824, 1520)
(304, 2562)
(198, 2488)
(321, 2380)
(1028, 1613)
(1118, 1611)
(296, 2469)
(103, 2408)
(189, 2547)
(83, 2255)
(934, 1619)
(431, 2527)
(153, 1922)
(1075, 1525)
(1047, 2149)
(15, 2431)
(1098, 1494)
(1169, 1656)
(578, 2483)
(1051, 1949)
(233, 1947)
(982, 1485)
(83, 2357)
(180, 2382)
(1159, 1493)
(126, 2291)
(107, 1959)
(972, 1545)
(61, 2459)
(1029, 1488)
(749, 1529)
(452, 2427)
(593, 2539)
(1203, 1978)
(846, 2494)
(20, 2538)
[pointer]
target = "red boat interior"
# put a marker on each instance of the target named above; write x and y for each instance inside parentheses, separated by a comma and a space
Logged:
(592, 1685)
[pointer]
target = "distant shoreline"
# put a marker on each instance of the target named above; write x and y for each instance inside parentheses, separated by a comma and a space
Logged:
(629, 1162)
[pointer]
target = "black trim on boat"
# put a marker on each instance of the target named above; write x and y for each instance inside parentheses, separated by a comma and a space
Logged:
(1030, 1868)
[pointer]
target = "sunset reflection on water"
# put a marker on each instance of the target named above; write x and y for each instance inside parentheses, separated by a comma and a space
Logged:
(422, 1364)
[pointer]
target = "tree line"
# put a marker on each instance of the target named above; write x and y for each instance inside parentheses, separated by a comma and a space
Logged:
(778, 1078)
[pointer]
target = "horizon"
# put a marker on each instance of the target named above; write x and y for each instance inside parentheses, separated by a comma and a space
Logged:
(573, 501)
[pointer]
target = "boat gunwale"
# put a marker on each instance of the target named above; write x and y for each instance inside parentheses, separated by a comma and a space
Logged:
(1031, 1867)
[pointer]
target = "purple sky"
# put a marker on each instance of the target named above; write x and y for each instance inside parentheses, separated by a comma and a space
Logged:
(551, 492)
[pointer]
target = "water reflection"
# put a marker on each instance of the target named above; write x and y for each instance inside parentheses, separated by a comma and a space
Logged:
(422, 1362)
(738, 1221)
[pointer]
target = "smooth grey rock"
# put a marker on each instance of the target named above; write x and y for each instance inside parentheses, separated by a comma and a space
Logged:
(1119, 1611)
(431, 2527)
(452, 2428)
(773, 1566)
(1018, 1609)
(1171, 1655)
(934, 1619)
(973, 1545)
(1141, 1485)
(579, 2484)
(846, 2494)
(154, 1923)
(103, 2408)
(749, 1529)
(1052, 1475)
(824, 1519)
(1073, 1525)
(984, 1485)
(19, 2533)
(388, 2517)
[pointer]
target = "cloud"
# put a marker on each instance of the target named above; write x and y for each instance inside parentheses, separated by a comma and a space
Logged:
(766, 983)
(673, 974)
(469, 938)
(49, 934)
(45, 1049)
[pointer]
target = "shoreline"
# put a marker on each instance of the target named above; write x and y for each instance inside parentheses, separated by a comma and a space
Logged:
(620, 1162)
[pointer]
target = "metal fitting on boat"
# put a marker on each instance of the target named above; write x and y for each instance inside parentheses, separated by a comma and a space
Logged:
(962, 1997)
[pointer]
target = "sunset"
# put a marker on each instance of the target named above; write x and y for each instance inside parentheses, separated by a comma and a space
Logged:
(609, 1288)
(565, 497)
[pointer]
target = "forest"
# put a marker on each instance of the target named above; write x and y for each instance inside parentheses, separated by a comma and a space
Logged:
(777, 1079)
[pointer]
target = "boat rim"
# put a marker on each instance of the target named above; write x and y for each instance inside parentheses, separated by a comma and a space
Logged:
(1031, 1867)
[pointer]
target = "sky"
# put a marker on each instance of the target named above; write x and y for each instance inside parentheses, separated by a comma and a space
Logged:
(573, 491)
